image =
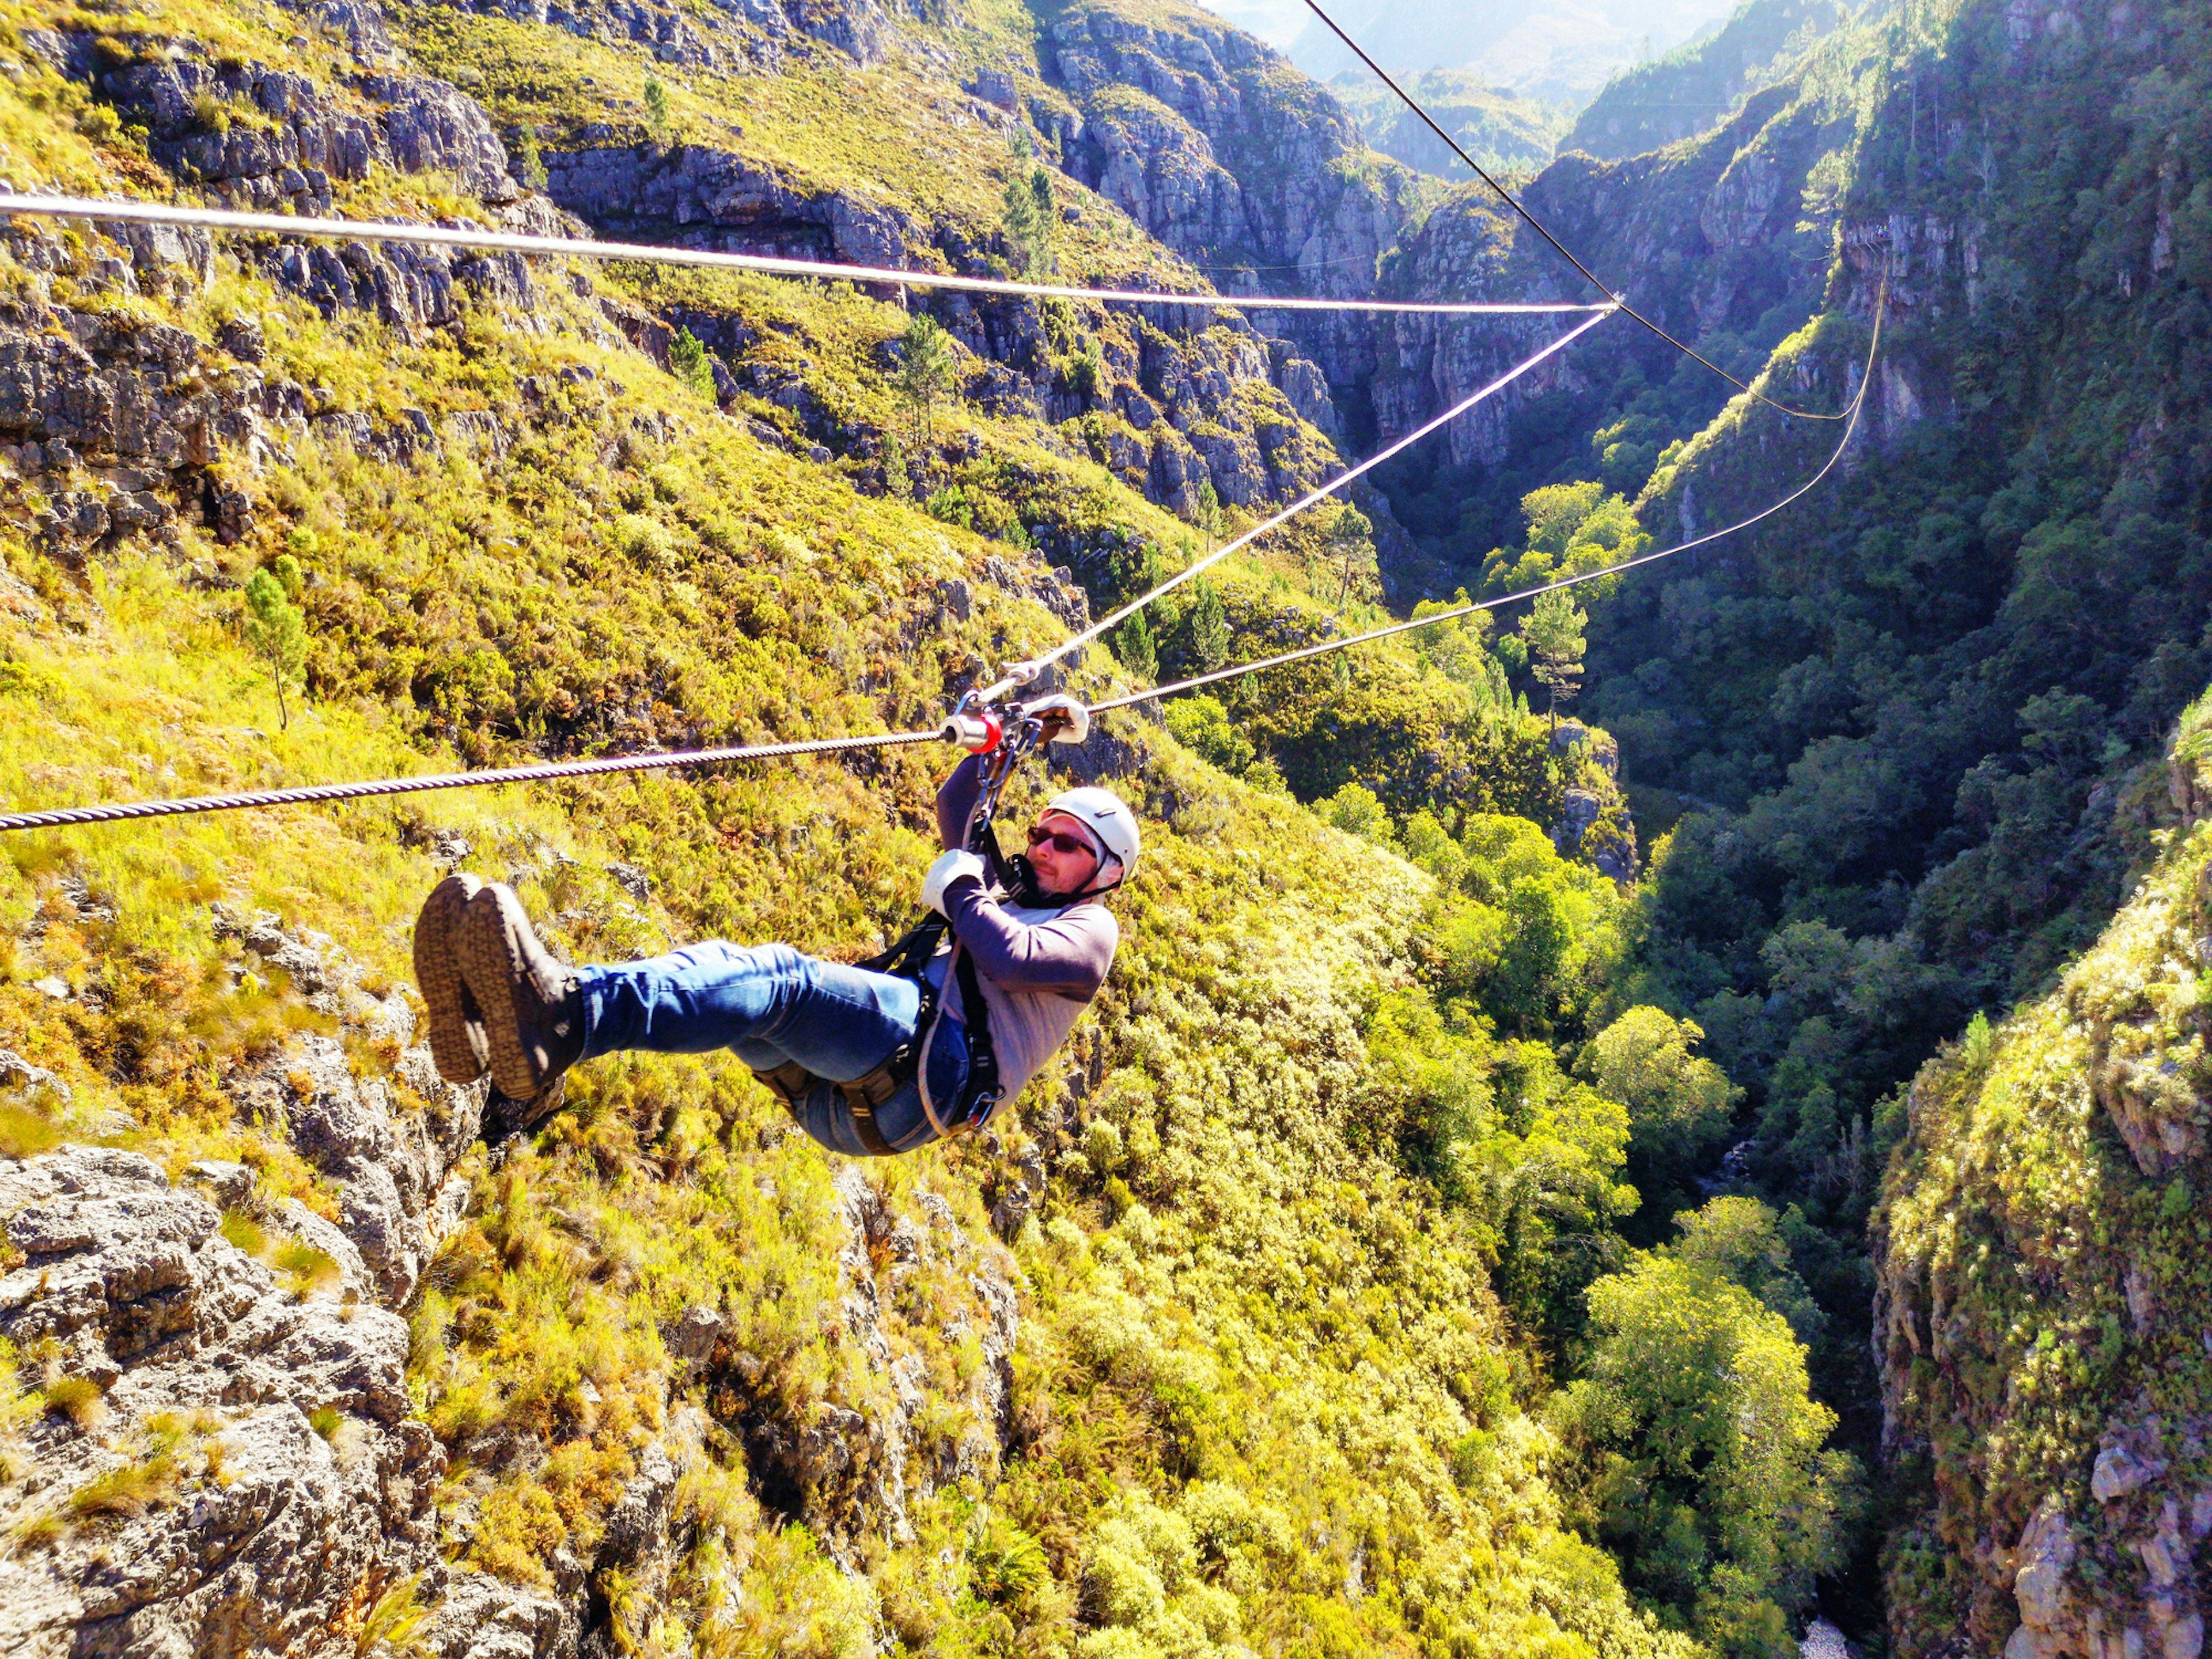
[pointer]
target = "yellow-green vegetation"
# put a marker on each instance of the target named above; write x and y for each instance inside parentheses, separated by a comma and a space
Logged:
(1312, 1206)
(2042, 1241)
(1696, 1451)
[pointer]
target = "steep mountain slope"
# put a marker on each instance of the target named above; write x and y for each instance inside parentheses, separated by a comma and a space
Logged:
(1233, 1338)
(1503, 133)
(2041, 1244)
(1921, 713)
(1695, 87)
(1554, 50)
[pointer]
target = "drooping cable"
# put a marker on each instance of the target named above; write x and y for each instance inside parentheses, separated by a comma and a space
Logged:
(1850, 426)
(1023, 672)
(495, 241)
(114, 811)
(1538, 227)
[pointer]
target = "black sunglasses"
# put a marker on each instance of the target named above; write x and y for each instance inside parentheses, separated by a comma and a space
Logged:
(1060, 839)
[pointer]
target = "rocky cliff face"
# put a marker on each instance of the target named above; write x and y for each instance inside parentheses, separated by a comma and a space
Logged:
(241, 1463)
(231, 1453)
(2041, 1249)
(1213, 144)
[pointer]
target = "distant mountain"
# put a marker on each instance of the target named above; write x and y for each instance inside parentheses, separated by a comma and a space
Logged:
(1278, 22)
(1498, 130)
(1698, 84)
(1546, 49)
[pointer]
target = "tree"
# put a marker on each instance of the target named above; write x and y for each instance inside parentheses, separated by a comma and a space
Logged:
(1205, 628)
(1355, 810)
(898, 482)
(1031, 217)
(687, 361)
(927, 372)
(1697, 1453)
(1202, 726)
(1209, 513)
(1740, 1240)
(1552, 631)
(1679, 1105)
(1132, 644)
(1351, 541)
(277, 632)
(656, 106)
(531, 160)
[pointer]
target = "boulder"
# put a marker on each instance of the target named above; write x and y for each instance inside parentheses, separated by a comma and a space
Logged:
(270, 1525)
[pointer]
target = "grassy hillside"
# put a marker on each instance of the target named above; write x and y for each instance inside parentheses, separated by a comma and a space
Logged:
(1697, 86)
(1504, 133)
(1239, 1334)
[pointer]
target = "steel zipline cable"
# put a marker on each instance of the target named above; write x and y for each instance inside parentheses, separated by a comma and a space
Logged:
(62, 817)
(121, 811)
(118, 811)
(497, 241)
(1538, 227)
(1850, 418)
(1020, 674)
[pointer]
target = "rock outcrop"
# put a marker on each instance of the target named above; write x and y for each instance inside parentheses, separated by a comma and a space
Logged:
(1206, 139)
(247, 1467)
(2039, 1251)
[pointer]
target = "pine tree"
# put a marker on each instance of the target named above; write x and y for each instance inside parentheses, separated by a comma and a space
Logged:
(1349, 540)
(277, 632)
(656, 106)
(925, 375)
(687, 361)
(1206, 627)
(1031, 215)
(1209, 513)
(1132, 644)
(1553, 632)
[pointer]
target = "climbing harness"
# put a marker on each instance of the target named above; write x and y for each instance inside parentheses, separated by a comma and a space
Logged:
(1008, 735)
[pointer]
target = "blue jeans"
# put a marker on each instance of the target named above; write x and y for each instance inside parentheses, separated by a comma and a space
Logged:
(769, 1005)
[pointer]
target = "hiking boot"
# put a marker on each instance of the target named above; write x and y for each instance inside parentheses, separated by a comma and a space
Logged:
(458, 1043)
(533, 1015)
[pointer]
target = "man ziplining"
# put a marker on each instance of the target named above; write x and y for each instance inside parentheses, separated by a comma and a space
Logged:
(871, 1060)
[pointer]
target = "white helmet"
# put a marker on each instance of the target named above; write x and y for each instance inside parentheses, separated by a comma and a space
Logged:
(1107, 818)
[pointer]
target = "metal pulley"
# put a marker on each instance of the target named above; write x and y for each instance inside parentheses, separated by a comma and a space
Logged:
(975, 728)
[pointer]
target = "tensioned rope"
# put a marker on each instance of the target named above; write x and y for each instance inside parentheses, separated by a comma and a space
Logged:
(1851, 418)
(1538, 226)
(1022, 673)
(496, 241)
(109, 812)
(63, 817)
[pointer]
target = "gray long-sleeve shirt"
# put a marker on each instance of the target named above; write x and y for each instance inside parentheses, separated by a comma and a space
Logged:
(1040, 967)
(1066, 952)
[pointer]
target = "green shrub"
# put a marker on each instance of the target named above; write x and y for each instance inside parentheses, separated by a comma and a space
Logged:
(24, 1133)
(1202, 726)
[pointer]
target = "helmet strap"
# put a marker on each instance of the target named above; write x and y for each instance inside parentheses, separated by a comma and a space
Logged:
(1024, 891)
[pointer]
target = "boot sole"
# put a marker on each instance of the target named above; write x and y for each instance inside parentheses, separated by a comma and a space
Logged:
(494, 973)
(458, 1044)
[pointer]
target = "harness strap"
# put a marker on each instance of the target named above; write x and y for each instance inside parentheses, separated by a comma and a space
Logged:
(790, 1083)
